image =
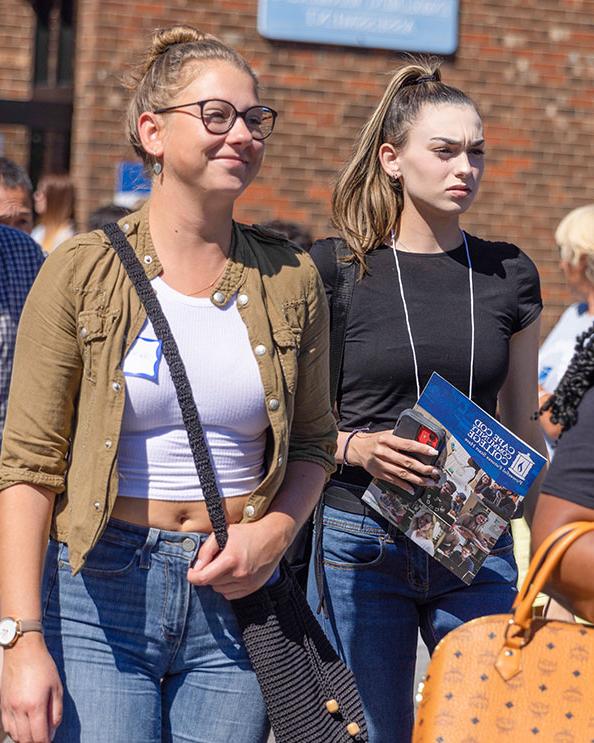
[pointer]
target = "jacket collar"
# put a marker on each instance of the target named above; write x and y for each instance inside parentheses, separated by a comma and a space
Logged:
(136, 228)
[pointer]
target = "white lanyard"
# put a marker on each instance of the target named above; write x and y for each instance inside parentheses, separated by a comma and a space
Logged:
(410, 336)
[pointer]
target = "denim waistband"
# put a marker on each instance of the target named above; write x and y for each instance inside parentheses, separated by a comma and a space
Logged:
(150, 540)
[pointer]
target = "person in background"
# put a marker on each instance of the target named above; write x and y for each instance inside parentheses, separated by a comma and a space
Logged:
(106, 214)
(422, 531)
(567, 493)
(54, 206)
(427, 295)
(296, 233)
(483, 482)
(16, 196)
(575, 238)
(462, 558)
(457, 504)
(471, 525)
(20, 260)
(140, 641)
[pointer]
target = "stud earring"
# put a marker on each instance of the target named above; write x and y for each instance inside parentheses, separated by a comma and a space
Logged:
(157, 168)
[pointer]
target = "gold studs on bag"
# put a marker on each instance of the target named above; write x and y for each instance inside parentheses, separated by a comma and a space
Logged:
(353, 729)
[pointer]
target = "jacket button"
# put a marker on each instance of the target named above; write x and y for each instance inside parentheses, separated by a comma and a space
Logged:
(97, 505)
(260, 350)
(83, 332)
(148, 259)
(116, 386)
(273, 403)
(242, 300)
(108, 443)
(218, 297)
(250, 511)
(126, 227)
(280, 460)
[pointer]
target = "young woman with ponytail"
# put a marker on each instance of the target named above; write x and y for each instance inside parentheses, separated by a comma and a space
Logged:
(123, 630)
(568, 490)
(428, 297)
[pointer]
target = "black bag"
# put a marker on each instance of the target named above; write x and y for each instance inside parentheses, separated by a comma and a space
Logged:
(310, 695)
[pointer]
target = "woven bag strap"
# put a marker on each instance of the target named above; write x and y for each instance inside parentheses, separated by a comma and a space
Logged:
(179, 377)
(543, 563)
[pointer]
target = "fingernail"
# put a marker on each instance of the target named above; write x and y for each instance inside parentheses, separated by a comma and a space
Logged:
(435, 472)
(433, 451)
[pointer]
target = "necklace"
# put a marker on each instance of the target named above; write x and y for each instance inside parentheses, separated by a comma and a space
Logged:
(212, 283)
(406, 317)
(406, 248)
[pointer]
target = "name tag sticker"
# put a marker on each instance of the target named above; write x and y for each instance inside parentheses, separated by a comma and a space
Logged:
(142, 360)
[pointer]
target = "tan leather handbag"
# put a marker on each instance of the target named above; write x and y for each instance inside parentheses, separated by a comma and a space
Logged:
(512, 676)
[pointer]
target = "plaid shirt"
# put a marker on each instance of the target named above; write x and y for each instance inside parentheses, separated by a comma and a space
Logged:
(20, 260)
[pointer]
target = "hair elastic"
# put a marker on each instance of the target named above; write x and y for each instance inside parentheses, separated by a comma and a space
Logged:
(423, 79)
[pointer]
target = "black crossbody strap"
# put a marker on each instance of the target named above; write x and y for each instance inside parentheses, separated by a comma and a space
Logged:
(342, 294)
(339, 312)
(179, 377)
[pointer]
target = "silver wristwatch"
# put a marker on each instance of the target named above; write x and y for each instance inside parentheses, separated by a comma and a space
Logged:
(11, 629)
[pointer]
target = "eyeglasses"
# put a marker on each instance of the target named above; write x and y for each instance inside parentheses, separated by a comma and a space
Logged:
(219, 116)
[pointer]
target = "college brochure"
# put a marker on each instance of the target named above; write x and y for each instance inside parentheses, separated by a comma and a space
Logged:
(486, 471)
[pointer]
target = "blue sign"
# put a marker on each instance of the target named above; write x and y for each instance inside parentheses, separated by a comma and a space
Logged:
(132, 184)
(405, 25)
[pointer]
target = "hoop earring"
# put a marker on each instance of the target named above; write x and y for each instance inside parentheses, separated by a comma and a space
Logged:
(157, 168)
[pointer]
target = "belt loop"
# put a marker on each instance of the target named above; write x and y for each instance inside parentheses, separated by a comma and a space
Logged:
(145, 554)
(318, 558)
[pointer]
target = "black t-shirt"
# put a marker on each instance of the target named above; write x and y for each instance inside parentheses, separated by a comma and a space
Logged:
(378, 379)
(571, 474)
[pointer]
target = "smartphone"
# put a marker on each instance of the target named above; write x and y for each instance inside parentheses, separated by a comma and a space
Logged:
(414, 425)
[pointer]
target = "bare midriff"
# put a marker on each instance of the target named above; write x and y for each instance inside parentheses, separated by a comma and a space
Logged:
(175, 515)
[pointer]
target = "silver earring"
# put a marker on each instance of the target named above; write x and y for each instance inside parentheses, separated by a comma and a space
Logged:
(157, 168)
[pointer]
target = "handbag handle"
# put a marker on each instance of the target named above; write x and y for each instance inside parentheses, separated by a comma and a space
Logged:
(179, 377)
(547, 557)
(542, 565)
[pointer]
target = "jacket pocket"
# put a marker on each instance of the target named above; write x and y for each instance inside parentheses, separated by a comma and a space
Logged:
(92, 327)
(285, 344)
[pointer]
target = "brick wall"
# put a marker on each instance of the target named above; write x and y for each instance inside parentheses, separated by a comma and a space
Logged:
(529, 65)
(16, 66)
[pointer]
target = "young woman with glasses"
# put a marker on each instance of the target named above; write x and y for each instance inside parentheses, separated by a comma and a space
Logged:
(428, 297)
(139, 640)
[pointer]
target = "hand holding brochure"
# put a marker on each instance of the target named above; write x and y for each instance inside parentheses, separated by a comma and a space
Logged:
(486, 472)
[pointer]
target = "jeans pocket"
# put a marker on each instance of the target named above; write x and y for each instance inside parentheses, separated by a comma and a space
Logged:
(106, 559)
(50, 573)
(349, 549)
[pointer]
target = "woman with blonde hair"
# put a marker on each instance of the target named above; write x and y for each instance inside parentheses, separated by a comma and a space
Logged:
(54, 205)
(575, 238)
(429, 297)
(139, 641)
(422, 531)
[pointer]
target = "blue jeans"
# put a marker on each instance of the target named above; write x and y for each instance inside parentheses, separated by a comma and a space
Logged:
(144, 656)
(380, 589)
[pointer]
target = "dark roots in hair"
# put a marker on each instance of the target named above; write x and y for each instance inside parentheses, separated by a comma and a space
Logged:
(577, 380)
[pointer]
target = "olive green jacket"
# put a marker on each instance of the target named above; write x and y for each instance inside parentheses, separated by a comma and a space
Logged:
(68, 391)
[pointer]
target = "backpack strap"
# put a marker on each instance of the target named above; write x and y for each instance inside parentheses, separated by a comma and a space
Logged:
(340, 305)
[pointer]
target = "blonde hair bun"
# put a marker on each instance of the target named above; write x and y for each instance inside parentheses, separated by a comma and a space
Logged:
(165, 38)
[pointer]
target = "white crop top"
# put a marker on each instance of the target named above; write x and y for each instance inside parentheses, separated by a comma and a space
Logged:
(154, 457)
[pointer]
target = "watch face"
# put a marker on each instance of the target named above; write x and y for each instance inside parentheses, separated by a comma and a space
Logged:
(8, 630)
